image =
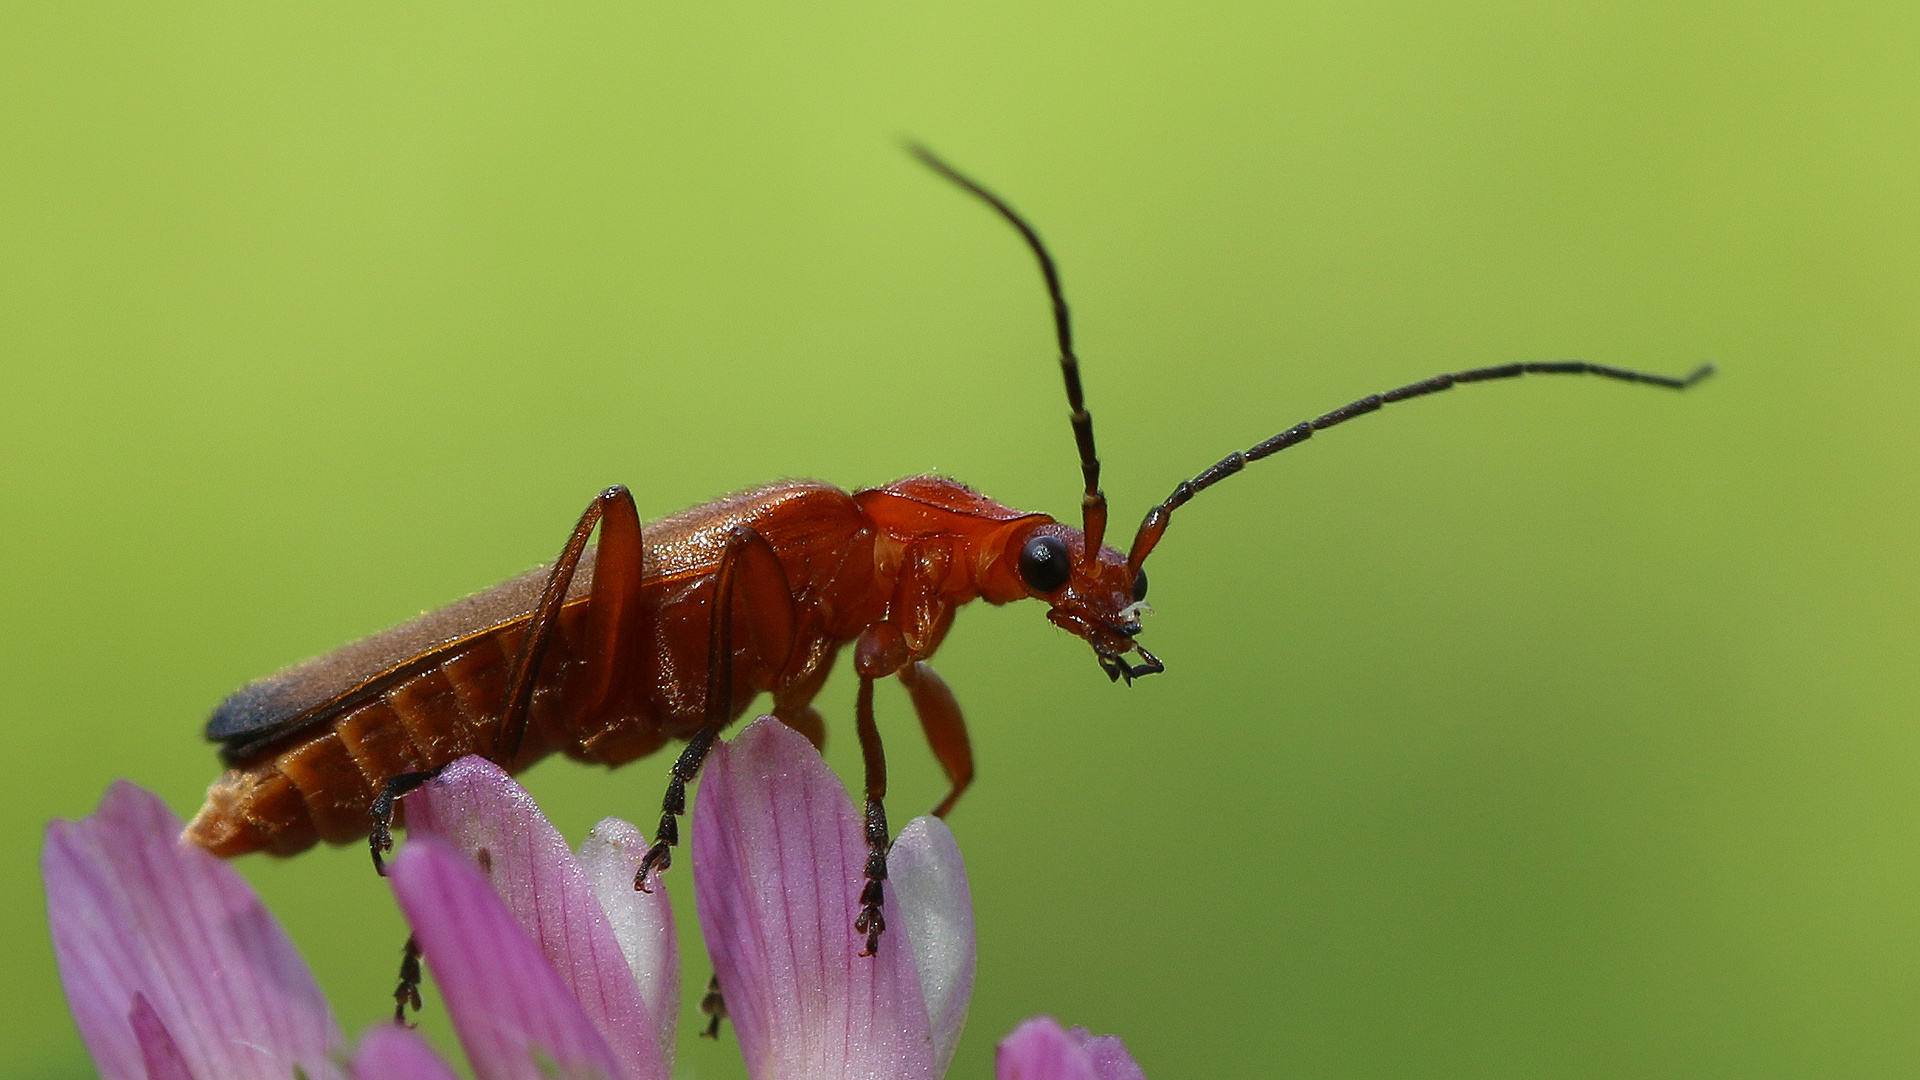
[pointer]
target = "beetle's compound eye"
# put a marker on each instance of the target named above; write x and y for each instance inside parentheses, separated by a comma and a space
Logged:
(1045, 564)
(1139, 585)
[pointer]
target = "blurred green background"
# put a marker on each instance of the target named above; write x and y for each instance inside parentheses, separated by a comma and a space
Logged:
(1544, 729)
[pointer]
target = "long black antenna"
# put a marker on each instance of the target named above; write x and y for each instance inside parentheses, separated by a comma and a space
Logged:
(1093, 505)
(1156, 522)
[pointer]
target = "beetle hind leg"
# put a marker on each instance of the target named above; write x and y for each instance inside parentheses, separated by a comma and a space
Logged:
(385, 804)
(407, 994)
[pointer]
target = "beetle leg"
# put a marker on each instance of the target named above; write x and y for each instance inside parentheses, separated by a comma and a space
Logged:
(945, 728)
(667, 836)
(747, 561)
(380, 839)
(616, 586)
(808, 722)
(871, 922)
(408, 992)
(715, 1007)
(794, 707)
(615, 624)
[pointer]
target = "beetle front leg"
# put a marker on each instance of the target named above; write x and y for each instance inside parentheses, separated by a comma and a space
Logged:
(945, 728)
(871, 922)
(881, 651)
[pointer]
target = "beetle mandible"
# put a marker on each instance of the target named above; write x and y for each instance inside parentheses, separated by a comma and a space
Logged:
(615, 648)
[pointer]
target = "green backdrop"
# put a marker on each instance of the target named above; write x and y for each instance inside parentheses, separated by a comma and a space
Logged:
(1544, 729)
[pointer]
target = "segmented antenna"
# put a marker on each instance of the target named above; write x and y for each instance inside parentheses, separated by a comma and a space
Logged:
(1093, 504)
(1155, 524)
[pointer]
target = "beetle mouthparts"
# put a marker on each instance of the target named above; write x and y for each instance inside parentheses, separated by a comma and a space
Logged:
(1117, 667)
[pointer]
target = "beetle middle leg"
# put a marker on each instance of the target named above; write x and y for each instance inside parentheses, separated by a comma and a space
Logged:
(794, 706)
(667, 836)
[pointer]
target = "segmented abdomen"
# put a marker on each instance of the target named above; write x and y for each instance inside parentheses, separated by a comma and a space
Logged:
(320, 783)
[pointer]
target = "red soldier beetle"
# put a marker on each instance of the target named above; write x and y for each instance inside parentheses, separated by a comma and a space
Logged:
(614, 649)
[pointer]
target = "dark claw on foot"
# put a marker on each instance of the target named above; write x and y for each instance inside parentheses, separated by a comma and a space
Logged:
(658, 857)
(872, 924)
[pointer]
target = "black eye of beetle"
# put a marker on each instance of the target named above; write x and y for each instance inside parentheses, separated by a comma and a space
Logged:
(1140, 584)
(1045, 564)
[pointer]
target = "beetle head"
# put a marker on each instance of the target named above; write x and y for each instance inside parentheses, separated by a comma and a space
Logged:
(1099, 598)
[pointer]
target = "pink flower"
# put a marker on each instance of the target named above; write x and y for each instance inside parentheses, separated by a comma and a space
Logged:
(175, 971)
(777, 857)
(483, 876)
(548, 963)
(172, 966)
(1041, 1049)
(778, 853)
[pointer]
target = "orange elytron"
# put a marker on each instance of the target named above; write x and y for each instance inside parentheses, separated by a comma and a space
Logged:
(615, 649)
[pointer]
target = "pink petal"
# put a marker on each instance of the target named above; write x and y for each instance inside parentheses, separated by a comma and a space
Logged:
(483, 812)
(391, 1052)
(929, 879)
(642, 922)
(1109, 1053)
(158, 1052)
(514, 1014)
(777, 861)
(138, 916)
(1040, 1050)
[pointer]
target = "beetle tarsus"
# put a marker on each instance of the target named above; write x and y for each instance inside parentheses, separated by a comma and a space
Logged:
(687, 766)
(658, 857)
(715, 1007)
(874, 757)
(407, 994)
(871, 922)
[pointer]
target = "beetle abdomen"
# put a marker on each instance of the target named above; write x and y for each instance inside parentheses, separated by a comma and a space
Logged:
(320, 783)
